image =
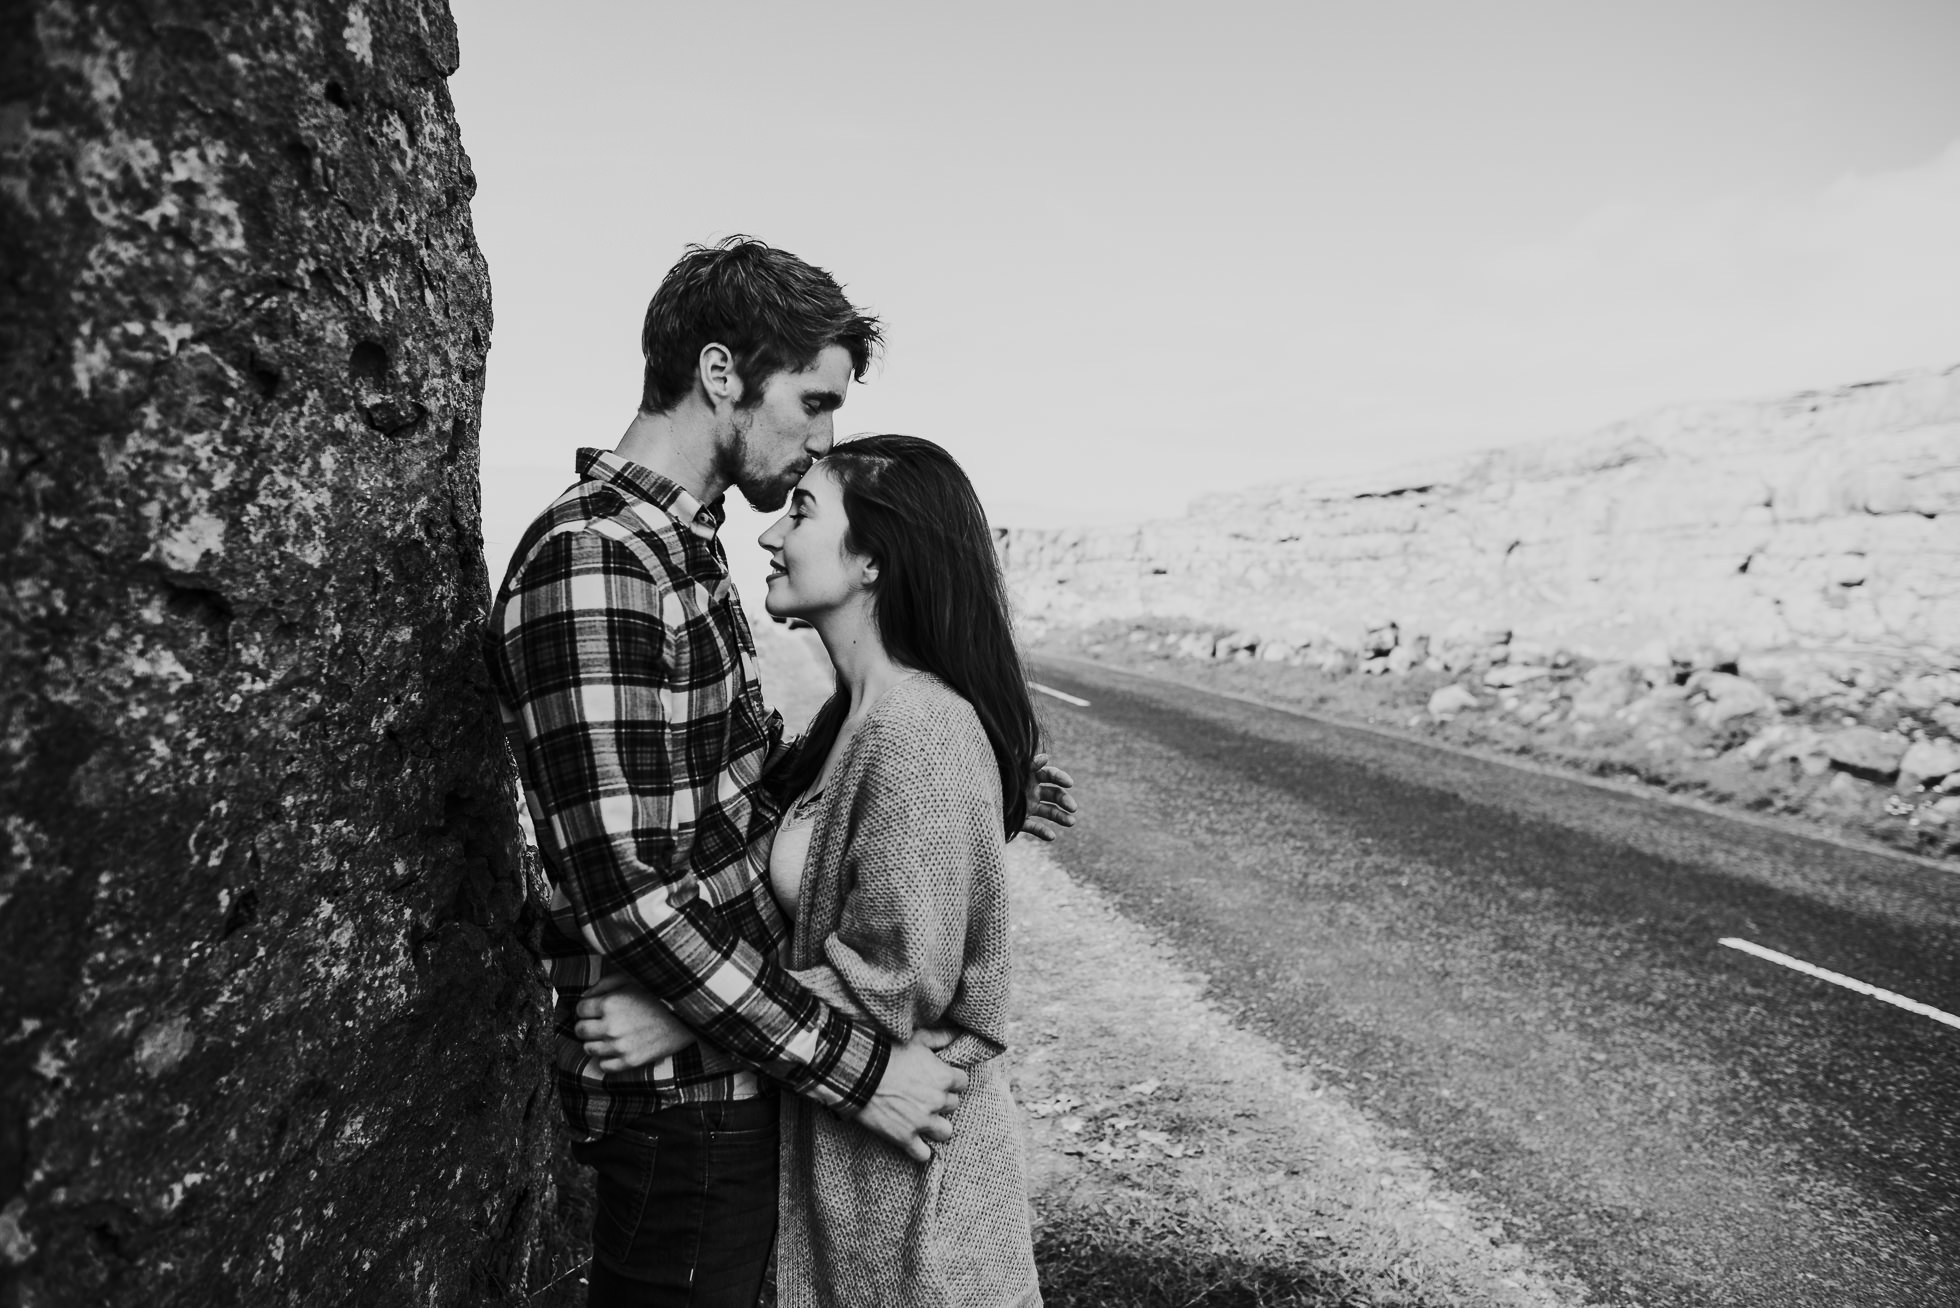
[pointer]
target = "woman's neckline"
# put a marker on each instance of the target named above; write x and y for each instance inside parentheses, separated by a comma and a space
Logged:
(826, 779)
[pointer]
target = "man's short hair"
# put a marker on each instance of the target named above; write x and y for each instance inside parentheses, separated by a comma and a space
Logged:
(773, 311)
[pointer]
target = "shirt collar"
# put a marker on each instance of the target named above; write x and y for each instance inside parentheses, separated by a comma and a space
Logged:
(649, 487)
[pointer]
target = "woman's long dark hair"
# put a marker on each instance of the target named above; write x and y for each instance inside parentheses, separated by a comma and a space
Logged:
(939, 600)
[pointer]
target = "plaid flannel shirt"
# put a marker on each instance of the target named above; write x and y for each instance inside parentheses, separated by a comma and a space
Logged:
(622, 663)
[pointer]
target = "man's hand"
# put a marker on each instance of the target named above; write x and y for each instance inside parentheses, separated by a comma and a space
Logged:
(623, 1026)
(1053, 807)
(910, 1105)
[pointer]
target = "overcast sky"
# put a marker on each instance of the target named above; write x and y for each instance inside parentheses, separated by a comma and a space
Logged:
(1130, 252)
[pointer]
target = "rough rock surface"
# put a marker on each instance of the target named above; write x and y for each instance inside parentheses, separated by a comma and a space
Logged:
(270, 1030)
(1820, 518)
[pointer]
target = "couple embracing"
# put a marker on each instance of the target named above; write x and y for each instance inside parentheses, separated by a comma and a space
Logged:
(781, 968)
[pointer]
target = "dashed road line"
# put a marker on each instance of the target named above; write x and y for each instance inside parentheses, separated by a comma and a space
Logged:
(1839, 979)
(1063, 696)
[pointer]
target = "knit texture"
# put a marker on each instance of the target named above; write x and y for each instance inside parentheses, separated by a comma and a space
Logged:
(902, 921)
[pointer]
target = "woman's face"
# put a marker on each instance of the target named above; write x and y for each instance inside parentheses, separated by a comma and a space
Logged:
(811, 573)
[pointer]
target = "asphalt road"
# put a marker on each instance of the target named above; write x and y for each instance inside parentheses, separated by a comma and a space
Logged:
(1523, 974)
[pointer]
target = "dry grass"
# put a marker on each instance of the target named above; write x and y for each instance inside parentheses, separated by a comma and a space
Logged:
(1180, 1160)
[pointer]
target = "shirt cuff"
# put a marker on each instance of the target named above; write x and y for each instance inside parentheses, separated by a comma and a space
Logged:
(848, 1081)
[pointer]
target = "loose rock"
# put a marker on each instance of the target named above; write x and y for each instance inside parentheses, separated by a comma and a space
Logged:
(1729, 697)
(1928, 761)
(1451, 700)
(1866, 751)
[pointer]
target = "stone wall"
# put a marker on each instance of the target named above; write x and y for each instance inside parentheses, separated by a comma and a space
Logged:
(1822, 519)
(270, 1031)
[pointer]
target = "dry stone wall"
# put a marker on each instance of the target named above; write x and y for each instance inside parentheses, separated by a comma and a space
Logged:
(270, 1029)
(1822, 519)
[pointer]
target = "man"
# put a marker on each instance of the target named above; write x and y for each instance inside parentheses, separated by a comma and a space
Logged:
(624, 666)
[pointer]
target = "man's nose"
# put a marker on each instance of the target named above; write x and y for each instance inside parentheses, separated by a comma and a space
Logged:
(822, 436)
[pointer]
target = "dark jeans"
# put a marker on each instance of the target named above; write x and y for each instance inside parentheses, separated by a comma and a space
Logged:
(687, 1207)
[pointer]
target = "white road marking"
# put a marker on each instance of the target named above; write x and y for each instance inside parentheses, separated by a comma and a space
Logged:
(1062, 696)
(1839, 979)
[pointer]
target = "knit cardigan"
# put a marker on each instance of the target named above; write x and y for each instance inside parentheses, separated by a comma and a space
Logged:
(902, 921)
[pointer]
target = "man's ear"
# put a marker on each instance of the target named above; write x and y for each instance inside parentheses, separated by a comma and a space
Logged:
(714, 371)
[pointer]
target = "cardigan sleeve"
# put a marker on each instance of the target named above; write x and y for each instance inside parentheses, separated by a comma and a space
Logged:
(967, 1051)
(923, 854)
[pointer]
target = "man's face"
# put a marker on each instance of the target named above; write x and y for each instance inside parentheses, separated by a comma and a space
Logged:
(773, 443)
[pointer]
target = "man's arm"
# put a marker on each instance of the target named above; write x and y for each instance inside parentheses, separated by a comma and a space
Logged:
(623, 1027)
(581, 657)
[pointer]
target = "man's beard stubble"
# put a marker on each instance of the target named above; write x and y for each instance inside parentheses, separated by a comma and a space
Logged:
(764, 494)
(771, 495)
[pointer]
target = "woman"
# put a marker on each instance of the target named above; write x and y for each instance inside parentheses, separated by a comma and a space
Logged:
(889, 859)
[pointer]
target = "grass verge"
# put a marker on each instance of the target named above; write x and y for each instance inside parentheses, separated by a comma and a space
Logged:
(1180, 1160)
